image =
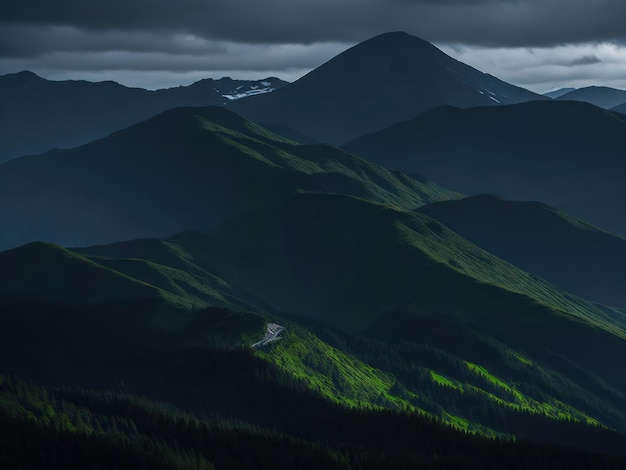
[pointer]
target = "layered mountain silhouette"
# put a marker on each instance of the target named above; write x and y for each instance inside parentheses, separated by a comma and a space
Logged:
(282, 256)
(568, 252)
(566, 154)
(384, 274)
(188, 168)
(560, 92)
(620, 109)
(144, 274)
(38, 114)
(401, 262)
(386, 79)
(601, 96)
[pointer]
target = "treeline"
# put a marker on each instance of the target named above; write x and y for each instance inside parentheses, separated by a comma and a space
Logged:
(418, 346)
(204, 380)
(40, 429)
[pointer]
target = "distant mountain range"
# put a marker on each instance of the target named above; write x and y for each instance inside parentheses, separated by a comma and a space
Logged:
(601, 96)
(37, 114)
(559, 92)
(566, 154)
(386, 79)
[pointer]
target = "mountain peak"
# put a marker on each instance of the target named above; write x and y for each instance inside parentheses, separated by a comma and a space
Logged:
(396, 38)
(24, 75)
(27, 73)
(394, 34)
(386, 79)
(397, 47)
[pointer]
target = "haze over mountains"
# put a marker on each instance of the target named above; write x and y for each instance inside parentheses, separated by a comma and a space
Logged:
(565, 154)
(603, 97)
(419, 324)
(188, 168)
(37, 114)
(620, 109)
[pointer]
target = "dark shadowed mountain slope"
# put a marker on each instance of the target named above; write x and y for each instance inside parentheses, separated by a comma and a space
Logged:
(568, 155)
(346, 261)
(601, 96)
(37, 114)
(484, 346)
(566, 251)
(158, 272)
(45, 272)
(188, 168)
(123, 394)
(350, 263)
(386, 79)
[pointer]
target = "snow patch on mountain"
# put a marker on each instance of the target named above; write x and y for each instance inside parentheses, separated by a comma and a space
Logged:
(250, 89)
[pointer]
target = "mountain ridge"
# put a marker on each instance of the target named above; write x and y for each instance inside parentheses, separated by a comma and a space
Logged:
(601, 96)
(568, 252)
(277, 262)
(185, 169)
(559, 92)
(563, 153)
(38, 114)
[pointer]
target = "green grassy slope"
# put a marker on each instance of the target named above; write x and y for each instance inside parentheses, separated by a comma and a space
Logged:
(439, 327)
(168, 347)
(347, 261)
(188, 168)
(298, 385)
(42, 271)
(49, 273)
(361, 372)
(437, 368)
(566, 251)
(111, 430)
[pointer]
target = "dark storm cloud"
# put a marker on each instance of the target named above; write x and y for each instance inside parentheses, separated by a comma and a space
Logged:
(457, 2)
(146, 41)
(36, 40)
(484, 22)
(542, 69)
(233, 57)
(586, 60)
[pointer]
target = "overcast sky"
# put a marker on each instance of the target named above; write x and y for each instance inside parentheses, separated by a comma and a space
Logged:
(538, 44)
